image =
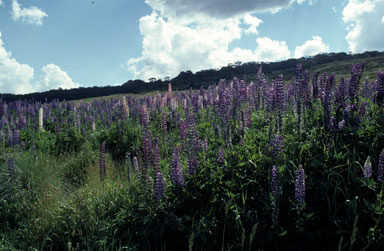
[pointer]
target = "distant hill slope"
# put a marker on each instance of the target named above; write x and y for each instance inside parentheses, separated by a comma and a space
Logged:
(340, 63)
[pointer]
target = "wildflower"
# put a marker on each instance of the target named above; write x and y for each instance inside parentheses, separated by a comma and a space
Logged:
(204, 145)
(277, 146)
(183, 130)
(367, 171)
(192, 163)
(275, 181)
(300, 186)
(332, 123)
(135, 164)
(147, 152)
(380, 167)
(164, 124)
(341, 124)
(315, 85)
(220, 156)
(15, 138)
(176, 169)
(159, 179)
(144, 119)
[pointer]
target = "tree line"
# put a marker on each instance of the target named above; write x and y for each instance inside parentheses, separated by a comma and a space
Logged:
(187, 79)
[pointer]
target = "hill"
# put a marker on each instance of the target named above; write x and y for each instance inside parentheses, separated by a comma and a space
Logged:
(340, 63)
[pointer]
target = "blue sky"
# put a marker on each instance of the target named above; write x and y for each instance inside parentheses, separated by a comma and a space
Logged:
(47, 44)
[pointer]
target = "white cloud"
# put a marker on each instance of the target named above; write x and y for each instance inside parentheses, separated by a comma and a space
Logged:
(311, 47)
(300, 2)
(253, 23)
(18, 78)
(169, 47)
(382, 19)
(31, 15)
(185, 35)
(1, 2)
(269, 50)
(362, 18)
(14, 77)
(334, 9)
(55, 78)
(217, 9)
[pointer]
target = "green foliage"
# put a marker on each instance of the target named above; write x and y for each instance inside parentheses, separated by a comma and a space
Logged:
(75, 170)
(121, 138)
(68, 141)
(55, 201)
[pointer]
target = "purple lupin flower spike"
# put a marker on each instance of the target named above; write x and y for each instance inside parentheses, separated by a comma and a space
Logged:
(315, 85)
(183, 130)
(144, 118)
(279, 88)
(353, 87)
(300, 187)
(176, 169)
(275, 182)
(147, 153)
(220, 156)
(159, 179)
(204, 145)
(332, 123)
(341, 124)
(102, 162)
(192, 163)
(164, 125)
(367, 170)
(277, 147)
(380, 167)
(340, 95)
(15, 138)
(193, 140)
(326, 99)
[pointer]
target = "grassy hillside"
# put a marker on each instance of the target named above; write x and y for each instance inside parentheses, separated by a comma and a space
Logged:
(341, 69)
(340, 63)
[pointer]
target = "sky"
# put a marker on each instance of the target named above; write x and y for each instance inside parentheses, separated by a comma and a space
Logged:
(47, 44)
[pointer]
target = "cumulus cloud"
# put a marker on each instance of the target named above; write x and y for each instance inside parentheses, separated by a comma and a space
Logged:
(269, 50)
(311, 48)
(253, 23)
(169, 47)
(219, 9)
(1, 2)
(31, 15)
(55, 78)
(363, 23)
(18, 78)
(183, 35)
(14, 77)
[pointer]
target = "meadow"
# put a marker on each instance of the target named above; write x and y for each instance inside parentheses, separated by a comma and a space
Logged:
(280, 164)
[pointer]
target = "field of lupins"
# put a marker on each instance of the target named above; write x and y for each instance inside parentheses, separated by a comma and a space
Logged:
(262, 165)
